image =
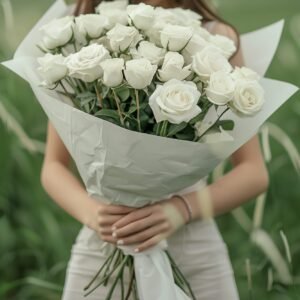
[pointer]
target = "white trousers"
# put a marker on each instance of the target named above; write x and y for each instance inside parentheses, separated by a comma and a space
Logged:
(197, 247)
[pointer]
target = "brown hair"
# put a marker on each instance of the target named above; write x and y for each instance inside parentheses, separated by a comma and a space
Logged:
(199, 6)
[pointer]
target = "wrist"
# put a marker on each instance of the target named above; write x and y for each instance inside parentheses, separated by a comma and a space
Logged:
(181, 207)
(89, 217)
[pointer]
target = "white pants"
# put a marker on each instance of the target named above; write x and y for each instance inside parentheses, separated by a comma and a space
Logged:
(197, 247)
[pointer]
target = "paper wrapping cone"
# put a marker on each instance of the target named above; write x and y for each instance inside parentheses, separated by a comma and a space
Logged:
(134, 169)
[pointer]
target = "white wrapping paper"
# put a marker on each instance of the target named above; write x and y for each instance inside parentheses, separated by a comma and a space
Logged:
(135, 169)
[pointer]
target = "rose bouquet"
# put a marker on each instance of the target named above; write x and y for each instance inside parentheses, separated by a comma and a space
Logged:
(135, 92)
(147, 70)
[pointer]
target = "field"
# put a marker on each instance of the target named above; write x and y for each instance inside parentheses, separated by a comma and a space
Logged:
(263, 236)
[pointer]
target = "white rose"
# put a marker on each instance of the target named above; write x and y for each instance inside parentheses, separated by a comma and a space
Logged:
(186, 17)
(175, 101)
(196, 44)
(244, 73)
(112, 71)
(225, 44)
(165, 16)
(173, 67)
(174, 37)
(220, 88)
(248, 96)
(91, 25)
(85, 64)
(150, 51)
(203, 32)
(52, 68)
(122, 37)
(208, 61)
(116, 4)
(58, 32)
(142, 15)
(115, 11)
(139, 72)
(153, 33)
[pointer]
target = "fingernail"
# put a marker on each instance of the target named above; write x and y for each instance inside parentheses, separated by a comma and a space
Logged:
(114, 228)
(136, 250)
(114, 234)
(120, 242)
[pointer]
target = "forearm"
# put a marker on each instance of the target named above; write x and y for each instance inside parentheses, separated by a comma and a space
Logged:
(228, 192)
(67, 191)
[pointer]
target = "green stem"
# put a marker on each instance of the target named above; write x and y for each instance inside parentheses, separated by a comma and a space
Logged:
(117, 100)
(102, 267)
(68, 94)
(99, 97)
(130, 286)
(138, 109)
(181, 275)
(219, 117)
(107, 269)
(163, 130)
(123, 263)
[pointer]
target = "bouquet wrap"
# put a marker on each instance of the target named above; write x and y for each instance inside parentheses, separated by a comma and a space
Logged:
(135, 169)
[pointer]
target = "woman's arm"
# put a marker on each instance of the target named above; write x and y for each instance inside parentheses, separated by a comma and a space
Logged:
(68, 192)
(247, 179)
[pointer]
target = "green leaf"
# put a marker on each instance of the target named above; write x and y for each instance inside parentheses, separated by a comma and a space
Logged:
(187, 134)
(110, 113)
(226, 124)
(175, 128)
(198, 118)
(123, 93)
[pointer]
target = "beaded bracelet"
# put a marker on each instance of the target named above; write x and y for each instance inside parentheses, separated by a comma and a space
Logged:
(187, 205)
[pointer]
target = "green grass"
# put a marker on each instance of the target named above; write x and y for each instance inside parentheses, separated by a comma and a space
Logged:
(36, 235)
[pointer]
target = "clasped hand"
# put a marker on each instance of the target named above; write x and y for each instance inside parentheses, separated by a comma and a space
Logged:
(144, 226)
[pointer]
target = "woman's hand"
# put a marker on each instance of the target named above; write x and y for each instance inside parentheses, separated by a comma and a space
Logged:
(104, 216)
(148, 225)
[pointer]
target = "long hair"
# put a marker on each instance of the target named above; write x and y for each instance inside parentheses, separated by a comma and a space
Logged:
(199, 6)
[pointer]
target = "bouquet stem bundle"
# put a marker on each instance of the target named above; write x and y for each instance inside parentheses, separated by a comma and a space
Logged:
(116, 264)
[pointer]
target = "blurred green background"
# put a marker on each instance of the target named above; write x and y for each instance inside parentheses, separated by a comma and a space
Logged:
(36, 235)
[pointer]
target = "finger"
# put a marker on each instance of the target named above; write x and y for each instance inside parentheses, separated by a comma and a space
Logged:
(105, 220)
(144, 235)
(105, 230)
(133, 216)
(150, 242)
(108, 238)
(139, 225)
(115, 209)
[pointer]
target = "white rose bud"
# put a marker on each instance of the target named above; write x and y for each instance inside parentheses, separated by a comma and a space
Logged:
(208, 61)
(225, 44)
(85, 64)
(248, 97)
(91, 25)
(142, 15)
(175, 101)
(115, 11)
(244, 73)
(220, 88)
(150, 51)
(122, 37)
(174, 37)
(112, 71)
(139, 72)
(58, 32)
(173, 67)
(52, 68)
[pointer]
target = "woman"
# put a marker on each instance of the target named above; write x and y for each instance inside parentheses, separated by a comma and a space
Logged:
(197, 246)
